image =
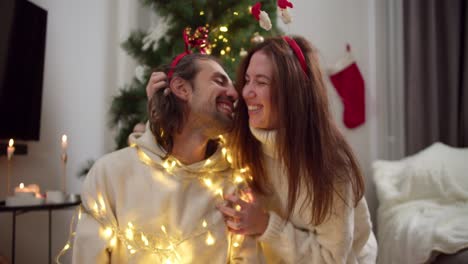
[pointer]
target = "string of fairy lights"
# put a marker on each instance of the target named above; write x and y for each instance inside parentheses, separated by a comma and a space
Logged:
(162, 244)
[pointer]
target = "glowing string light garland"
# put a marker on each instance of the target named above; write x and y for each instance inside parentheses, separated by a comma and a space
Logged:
(164, 246)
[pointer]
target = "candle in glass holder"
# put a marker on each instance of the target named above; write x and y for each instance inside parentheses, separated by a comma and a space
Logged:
(25, 195)
(22, 190)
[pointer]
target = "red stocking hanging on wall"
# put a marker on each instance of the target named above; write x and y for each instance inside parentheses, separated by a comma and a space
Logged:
(349, 84)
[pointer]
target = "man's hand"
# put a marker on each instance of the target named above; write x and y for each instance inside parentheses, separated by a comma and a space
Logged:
(245, 217)
(158, 80)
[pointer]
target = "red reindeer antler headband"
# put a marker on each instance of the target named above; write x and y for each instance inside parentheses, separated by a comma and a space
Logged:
(198, 40)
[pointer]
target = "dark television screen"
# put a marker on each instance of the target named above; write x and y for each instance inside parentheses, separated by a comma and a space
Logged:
(22, 49)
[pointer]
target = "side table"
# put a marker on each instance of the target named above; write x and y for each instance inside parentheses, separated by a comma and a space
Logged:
(18, 210)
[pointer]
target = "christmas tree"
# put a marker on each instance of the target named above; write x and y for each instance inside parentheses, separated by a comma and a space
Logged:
(232, 30)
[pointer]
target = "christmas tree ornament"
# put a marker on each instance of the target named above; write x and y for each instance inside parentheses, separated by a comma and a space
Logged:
(257, 38)
(243, 52)
(283, 10)
(349, 83)
(154, 34)
(140, 72)
(261, 16)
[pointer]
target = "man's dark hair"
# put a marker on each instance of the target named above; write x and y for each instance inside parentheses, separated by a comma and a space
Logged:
(168, 113)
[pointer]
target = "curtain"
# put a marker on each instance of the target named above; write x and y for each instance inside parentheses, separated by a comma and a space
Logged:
(436, 73)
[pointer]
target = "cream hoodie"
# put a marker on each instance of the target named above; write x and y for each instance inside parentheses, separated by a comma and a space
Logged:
(346, 237)
(129, 188)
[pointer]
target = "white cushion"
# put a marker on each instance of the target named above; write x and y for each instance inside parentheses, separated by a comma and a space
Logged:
(439, 171)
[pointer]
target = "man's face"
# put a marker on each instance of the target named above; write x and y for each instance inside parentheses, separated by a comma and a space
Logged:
(213, 97)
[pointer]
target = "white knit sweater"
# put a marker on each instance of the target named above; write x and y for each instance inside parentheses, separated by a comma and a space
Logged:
(345, 237)
(147, 196)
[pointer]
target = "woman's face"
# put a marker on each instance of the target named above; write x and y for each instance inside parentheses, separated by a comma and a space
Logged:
(257, 92)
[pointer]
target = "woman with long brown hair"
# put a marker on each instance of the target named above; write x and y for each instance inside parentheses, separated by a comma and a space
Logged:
(307, 187)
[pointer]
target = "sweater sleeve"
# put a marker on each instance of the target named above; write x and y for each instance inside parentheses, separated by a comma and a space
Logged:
(91, 244)
(329, 242)
(248, 252)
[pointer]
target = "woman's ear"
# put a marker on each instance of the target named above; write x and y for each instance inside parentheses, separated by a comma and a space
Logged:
(181, 88)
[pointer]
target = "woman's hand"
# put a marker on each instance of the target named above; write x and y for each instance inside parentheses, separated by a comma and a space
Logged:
(158, 80)
(245, 217)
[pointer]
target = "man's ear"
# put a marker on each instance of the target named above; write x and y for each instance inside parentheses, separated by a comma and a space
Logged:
(181, 88)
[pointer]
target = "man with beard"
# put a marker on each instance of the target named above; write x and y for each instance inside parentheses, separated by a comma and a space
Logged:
(154, 202)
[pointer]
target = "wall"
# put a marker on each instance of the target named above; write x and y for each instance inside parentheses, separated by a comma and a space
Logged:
(79, 80)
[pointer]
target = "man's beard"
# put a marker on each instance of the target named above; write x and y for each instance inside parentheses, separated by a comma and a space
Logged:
(215, 123)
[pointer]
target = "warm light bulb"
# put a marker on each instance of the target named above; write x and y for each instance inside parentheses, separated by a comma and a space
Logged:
(223, 29)
(222, 52)
(113, 242)
(238, 208)
(236, 13)
(209, 239)
(11, 142)
(144, 239)
(129, 234)
(21, 185)
(101, 202)
(67, 246)
(204, 224)
(220, 192)
(238, 179)
(108, 232)
(202, 13)
(208, 182)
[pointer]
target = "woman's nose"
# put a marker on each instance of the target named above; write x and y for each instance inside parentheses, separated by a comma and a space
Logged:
(247, 92)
